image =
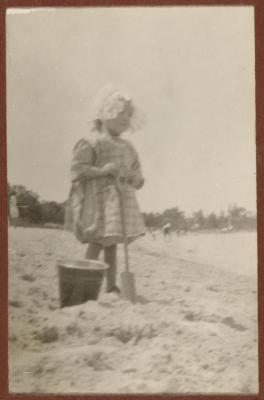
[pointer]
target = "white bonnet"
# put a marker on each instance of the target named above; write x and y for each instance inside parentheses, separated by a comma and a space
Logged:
(109, 102)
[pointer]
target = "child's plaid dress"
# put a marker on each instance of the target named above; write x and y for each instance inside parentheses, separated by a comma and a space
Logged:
(95, 203)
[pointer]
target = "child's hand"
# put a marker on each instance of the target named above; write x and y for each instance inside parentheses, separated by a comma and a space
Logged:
(136, 183)
(139, 184)
(109, 169)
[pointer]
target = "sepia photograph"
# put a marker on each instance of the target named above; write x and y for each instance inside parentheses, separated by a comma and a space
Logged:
(132, 216)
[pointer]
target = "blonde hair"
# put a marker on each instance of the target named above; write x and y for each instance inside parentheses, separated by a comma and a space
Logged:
(109, 102)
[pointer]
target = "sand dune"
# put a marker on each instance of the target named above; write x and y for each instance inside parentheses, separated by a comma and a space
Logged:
(193, 329)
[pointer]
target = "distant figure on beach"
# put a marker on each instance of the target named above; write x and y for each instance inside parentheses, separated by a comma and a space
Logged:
(183, 230)
(166, 229)
(153, 232)
(105, 169)
(227, 229)
(13, 209)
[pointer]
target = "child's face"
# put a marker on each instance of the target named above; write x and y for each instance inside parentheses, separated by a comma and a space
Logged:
(121, 122)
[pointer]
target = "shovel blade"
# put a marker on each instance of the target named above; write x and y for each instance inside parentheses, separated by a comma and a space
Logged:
(128, 287)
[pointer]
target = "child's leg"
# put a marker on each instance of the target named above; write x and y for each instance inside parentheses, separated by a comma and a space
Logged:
(110, 259)
(93, 251)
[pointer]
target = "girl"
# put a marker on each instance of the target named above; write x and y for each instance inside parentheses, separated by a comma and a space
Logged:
(105, 167)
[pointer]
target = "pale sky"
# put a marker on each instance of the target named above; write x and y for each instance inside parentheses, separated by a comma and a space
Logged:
(191, 70)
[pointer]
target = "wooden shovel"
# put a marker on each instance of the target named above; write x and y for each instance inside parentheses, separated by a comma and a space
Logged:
(128, 288)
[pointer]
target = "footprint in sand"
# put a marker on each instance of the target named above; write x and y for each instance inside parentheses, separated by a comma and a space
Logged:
(47, 334)
(229, 321)
(15, 303)
(213, 288)
(192, 316)
(28, 277)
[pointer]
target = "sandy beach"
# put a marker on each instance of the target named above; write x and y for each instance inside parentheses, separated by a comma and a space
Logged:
(192, 330)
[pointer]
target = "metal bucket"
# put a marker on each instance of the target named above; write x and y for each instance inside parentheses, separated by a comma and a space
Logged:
(79, 280)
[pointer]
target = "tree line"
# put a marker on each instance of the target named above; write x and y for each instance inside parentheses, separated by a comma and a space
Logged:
(236, 218)
(33, 211)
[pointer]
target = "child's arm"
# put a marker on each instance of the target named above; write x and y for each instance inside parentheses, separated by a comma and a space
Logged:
(135, 176)
(82, 161)
(82, 166)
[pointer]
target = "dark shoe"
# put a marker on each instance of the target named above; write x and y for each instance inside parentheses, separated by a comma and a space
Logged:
(114, 289)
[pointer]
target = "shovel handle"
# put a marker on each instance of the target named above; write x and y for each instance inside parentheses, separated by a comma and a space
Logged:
(123, 225)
